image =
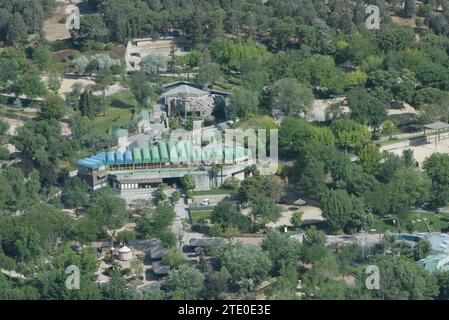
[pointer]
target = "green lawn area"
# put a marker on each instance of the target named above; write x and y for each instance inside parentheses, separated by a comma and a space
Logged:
(438, 222)
(115, 117)
(198, 215)
(213, 192)
(124, 99)
(258, 122)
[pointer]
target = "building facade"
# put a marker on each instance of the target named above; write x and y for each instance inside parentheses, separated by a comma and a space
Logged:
(166, 162)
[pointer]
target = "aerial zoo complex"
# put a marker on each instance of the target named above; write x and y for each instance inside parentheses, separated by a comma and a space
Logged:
(143, 168)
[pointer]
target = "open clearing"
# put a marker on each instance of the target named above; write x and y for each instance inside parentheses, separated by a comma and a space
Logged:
(53, 28)
(420, 152)
(311, 215)
(67, 84)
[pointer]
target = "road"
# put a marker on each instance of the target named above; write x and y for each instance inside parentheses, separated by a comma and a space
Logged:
(182, 214)
(360, 238)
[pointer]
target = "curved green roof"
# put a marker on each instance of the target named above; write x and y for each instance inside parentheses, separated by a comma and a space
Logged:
(137, 155)
(163, 152)
(167, 152)
(172, 152)
(155, 157)
(146, 156)
(182, 154)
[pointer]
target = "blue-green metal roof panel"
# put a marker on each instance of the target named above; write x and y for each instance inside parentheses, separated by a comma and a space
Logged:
(89, 163)
(172, 152)
(163, 152)
(110, 159)
(155, 158)
(146, 155)
(128, 157)
(137, 155)
(97, 158)
(119, 158)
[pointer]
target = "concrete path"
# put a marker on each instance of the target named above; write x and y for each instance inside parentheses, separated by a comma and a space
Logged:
(182, 214)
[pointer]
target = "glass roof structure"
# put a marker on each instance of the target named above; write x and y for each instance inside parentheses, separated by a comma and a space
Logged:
(166, 153)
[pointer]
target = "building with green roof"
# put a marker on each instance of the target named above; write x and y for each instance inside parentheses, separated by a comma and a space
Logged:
(164, 162)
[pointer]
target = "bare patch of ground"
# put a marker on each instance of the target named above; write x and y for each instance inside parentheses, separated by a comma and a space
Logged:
(407, 109)
(13, 124)
(53, 28)
(67, 84)
(318, 111)
(423, 151)
(311, 215)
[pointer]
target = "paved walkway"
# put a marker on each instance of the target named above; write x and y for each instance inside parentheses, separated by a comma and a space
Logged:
(182, 214)
(360, 238)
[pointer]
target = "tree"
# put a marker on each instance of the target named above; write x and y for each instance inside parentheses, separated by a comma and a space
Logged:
(86, 230)
(285, 286)
(175, 196)
(244, 263)
(388, 128)
(153, 63)
(436, 167)
(349, 134)
(54, 82)
(282, 250)
(81, 64)
(31, 85)
(226, 214)
(52, 107)
(409, 8)
(188, 182)
(244, 104)
(141, 89)
(174, 258)
(322, 283)
(75, 195)
(217, 284)
(6, 193)
(265, 210)
(343, 211)
(87, 104)
(126, 237)
(231, 183)
(4, 127)
(313, 178)
(42, 57)
(366, 108)
(118, 288)
(443, 284)
(292, 96)
(208, 74)
(17, 29)
(370, 158)
(93, 28)
(404, 279)
(184, 283)
(356, 79)
(107, 209)
(409, 187)
(296, 219)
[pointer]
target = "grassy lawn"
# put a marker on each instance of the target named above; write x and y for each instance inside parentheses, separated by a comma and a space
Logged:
(438, 222)
(114, 117)
(258, 122)
(124, 99)
(213, 192)
(198, 215)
